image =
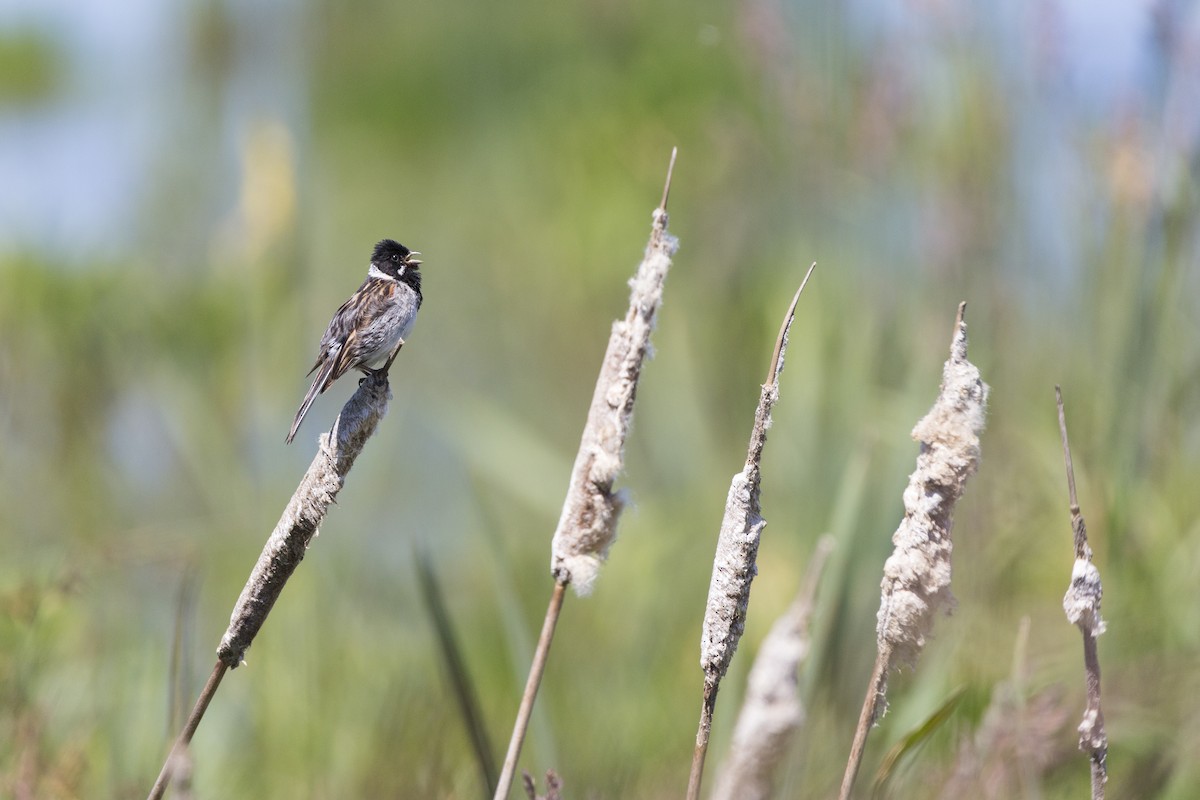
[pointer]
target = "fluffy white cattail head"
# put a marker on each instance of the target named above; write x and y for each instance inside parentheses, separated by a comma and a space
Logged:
(588, 525)
(916, 577)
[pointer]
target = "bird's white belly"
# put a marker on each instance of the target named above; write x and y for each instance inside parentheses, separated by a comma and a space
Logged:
(390, 329)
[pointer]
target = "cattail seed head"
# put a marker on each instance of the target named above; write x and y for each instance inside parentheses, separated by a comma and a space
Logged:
(588, 525)
(916, 577)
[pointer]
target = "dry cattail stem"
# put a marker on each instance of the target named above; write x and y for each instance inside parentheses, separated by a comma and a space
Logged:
(916, 577)
(734, 565)
(286, 546)
(1082, 606)
(588, 524)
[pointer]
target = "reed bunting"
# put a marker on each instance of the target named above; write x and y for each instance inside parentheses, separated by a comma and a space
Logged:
(372, 325)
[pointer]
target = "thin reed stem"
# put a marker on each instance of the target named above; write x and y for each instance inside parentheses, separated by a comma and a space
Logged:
(189, 730)
(875, 690)
(708, 705)
(1082, 607)
(525, 711)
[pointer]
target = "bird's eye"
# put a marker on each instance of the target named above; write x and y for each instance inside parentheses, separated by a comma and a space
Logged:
(395, 257)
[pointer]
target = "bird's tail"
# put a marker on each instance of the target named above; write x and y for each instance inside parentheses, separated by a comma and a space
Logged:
(319, 384)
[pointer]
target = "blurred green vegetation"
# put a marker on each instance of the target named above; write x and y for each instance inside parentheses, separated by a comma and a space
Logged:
(144, 398)
(28, 68)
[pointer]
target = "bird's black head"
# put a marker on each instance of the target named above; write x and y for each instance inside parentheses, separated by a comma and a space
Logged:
(397, 261)
(394, 258)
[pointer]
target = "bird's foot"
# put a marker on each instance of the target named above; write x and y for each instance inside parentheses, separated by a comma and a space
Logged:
(380, 372)
(395, 352)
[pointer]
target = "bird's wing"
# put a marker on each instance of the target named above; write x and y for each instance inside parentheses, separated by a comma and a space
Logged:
(344, 359)
(341, 348)
(356, 316)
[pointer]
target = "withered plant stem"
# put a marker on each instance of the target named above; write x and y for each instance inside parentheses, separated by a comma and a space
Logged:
(508, 771)
(875, 689)
(708, 704)
(189, 730)
(1082, 605)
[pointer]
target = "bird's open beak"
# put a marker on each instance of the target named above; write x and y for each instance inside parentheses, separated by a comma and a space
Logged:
(412, 259)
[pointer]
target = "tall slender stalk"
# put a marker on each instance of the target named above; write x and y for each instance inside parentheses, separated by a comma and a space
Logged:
(525, 710)
(189, 730)
(1082, 606)
(588, 525)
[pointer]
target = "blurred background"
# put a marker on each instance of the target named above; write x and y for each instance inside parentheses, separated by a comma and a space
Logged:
(188, 190)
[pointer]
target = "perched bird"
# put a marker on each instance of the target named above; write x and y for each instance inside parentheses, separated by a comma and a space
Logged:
(372, 325)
